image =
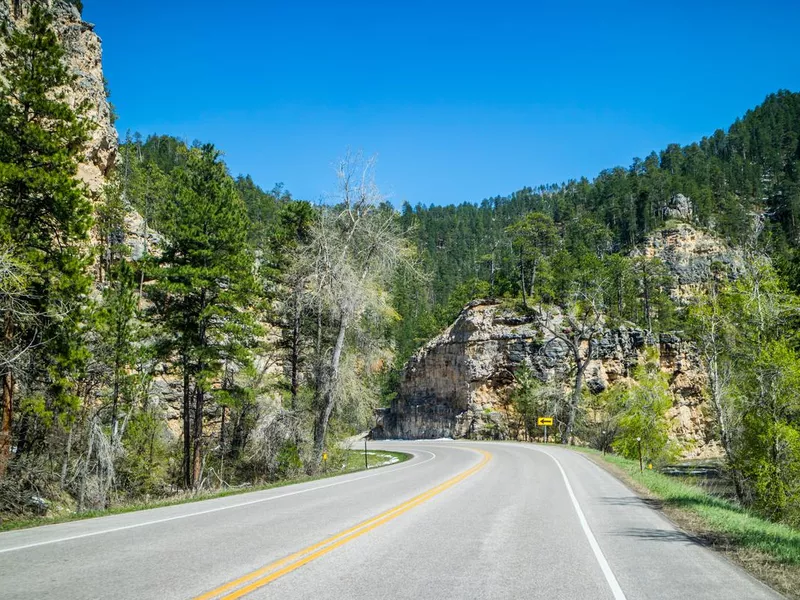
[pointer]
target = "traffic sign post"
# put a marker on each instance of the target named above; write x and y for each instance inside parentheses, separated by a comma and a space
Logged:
(639, 443)
(544, 422)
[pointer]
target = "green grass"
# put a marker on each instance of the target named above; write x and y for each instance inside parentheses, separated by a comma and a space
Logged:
(723, 521)
(375, 458)
(348, 461)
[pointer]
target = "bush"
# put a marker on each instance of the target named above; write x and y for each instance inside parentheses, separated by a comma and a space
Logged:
(642, 417)
(142, 469)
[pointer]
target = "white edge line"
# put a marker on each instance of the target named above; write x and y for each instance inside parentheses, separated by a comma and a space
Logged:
(213, 510)
(598, 553)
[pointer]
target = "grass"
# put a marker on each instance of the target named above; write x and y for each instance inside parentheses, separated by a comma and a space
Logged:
(348, 461)
(769, 551)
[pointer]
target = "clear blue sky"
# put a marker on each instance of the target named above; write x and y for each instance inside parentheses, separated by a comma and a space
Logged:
(460, 100)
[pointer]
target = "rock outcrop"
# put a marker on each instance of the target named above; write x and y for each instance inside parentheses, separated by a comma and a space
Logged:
(459, 384)
(84, 58)
(691, 254)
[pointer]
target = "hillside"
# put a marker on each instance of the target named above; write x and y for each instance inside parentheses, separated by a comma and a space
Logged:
(461, 383)
(83, 57)
(738, 182)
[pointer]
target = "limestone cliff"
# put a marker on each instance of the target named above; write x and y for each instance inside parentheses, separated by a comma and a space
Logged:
(690, 254)
(84, 58)
(459, 384)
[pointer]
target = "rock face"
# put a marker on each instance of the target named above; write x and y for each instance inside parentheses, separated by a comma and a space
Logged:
(680, 207)
(84, 58)
(690, 255)
(459, 384)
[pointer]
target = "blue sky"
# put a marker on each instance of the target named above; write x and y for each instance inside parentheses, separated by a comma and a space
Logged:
(460, 101)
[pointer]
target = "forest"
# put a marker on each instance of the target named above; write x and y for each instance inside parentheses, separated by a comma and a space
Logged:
(192, 330)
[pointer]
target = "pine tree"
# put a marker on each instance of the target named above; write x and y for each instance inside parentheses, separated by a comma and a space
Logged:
(44, 213)
(535, 238)
(118, 336)
(204, 284)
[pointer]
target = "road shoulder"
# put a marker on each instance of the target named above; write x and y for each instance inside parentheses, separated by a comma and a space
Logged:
(779, 575)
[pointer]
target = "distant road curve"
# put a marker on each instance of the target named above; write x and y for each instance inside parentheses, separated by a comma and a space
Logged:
(458, 520)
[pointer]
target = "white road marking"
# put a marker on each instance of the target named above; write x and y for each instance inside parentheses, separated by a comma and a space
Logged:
(213, 510)
(598, 553)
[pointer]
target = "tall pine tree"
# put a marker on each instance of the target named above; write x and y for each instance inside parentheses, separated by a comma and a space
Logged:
(204, 284)
(44, 214)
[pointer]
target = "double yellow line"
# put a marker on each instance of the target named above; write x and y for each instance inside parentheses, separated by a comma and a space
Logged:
(271, 572)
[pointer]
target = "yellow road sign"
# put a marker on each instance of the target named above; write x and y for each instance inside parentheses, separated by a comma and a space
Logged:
(544, 421)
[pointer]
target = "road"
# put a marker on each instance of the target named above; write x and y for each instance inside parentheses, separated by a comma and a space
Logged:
(458, 520)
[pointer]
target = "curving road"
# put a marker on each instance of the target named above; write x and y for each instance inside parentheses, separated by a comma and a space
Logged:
(459, 520)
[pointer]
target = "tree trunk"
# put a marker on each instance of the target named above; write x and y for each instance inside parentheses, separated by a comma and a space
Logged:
(144, 256)
(65, 462)
(712, 359)
(7, 401)
(151, 447)
(197, 460)
(491, 278)
(318, 360)
(580, 370)
(222, 446)
(115, 403)
(725, 434)
(187, 430)
(647, 314)
(328, 398)
(295, 357)
(522, 280)
(85, 470)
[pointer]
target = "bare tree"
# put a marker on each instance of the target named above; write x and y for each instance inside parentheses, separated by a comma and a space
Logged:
(577, 329)
(712, 332)
(354, 249)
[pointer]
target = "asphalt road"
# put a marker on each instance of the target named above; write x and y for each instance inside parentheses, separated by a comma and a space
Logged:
(459, 520)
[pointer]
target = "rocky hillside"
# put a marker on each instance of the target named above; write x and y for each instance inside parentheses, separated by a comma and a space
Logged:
(689, 252)
(459, 384)
(84, 55)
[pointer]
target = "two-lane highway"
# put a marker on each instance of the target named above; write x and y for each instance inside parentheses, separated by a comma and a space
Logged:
(459, 520)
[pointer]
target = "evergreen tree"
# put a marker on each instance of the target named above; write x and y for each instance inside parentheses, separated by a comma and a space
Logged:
(118, 336)
(289, 233)
(44, 214)
(204, 284)
(535, 237)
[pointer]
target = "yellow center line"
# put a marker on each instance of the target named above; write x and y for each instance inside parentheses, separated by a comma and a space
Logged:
(268, 573)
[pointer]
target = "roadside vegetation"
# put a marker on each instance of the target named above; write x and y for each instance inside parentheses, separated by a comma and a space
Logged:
(342, 462)
(227, 337)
